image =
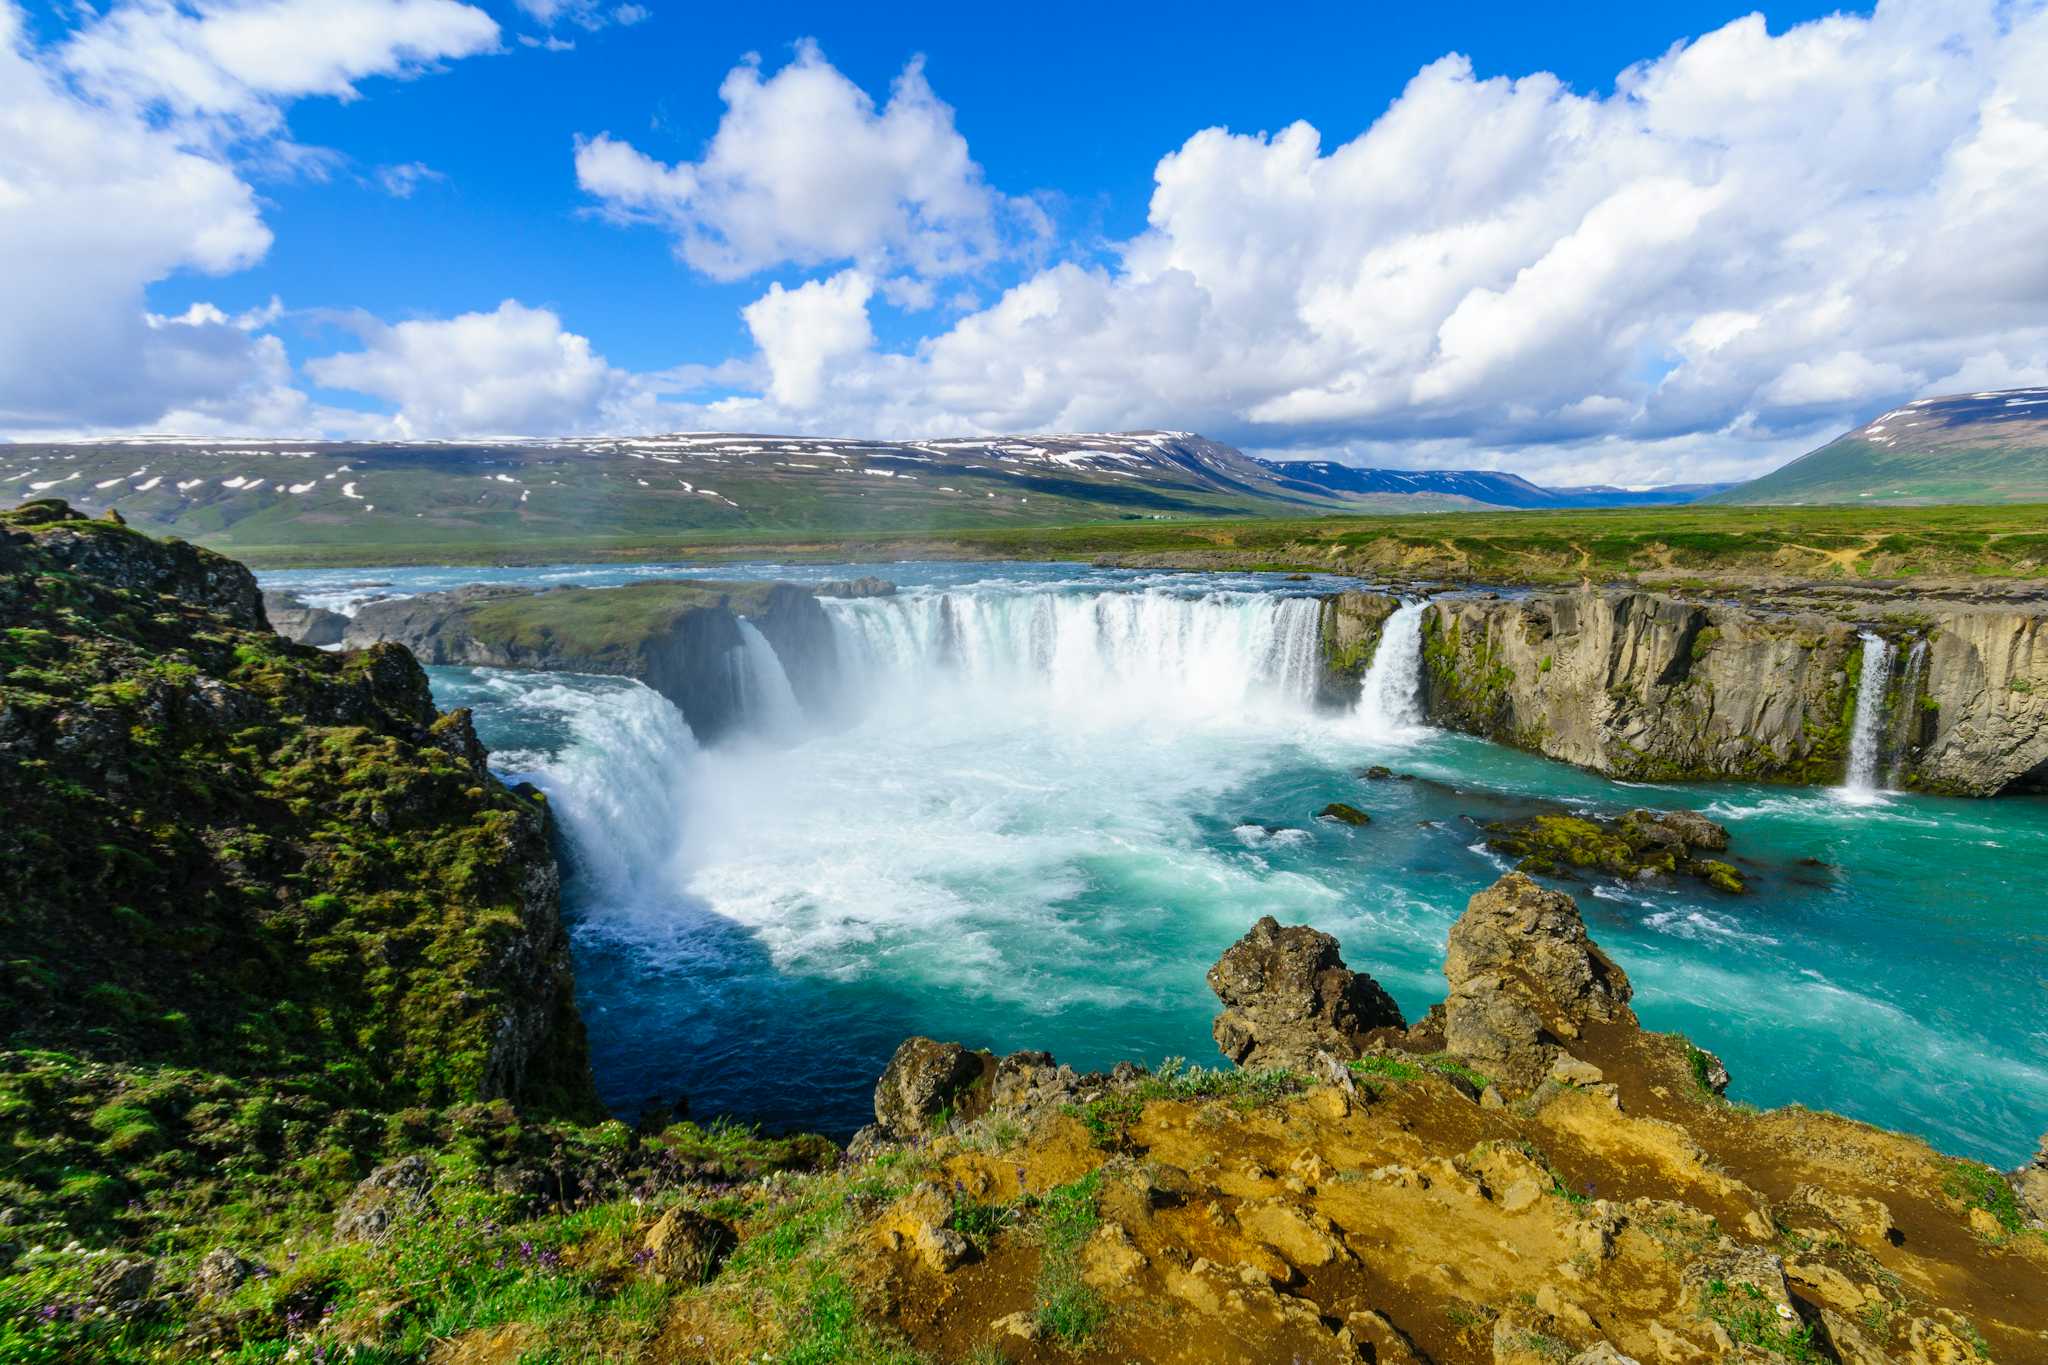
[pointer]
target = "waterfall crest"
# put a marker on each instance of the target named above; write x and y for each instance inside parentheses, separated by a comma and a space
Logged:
(1390, 698)
(1867, 728)
(614, 758)
(1151, 650)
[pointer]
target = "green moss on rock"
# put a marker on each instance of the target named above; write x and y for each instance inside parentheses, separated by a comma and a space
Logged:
(243, 877)
(1639, 843)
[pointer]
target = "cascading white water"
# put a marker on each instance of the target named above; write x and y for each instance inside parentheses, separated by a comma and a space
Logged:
(618, 784)
(1867, 728)
(768, 703)
(1390, 698)
(1098, 652)
(1909, 710)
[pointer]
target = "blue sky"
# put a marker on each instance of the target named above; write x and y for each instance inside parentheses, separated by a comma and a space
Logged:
(1077, 101)
(1521, 259)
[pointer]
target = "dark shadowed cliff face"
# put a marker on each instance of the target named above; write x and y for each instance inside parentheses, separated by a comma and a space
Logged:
(680, 637)
(227, 851)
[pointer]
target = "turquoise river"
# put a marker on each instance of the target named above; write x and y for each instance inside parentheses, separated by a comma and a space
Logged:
(1049, 796)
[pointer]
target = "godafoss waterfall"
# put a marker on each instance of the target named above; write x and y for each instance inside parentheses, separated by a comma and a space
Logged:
(1026, 806)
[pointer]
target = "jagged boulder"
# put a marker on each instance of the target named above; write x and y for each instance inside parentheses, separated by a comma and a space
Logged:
(1288, 999)
(378, 1200)
(1525, 978)
(2030, 1182)
(686, 1247)
(924, 1082)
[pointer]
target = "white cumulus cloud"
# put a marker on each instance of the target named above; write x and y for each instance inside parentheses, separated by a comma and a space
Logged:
(1752, 241)
(805, 169)
(803, 331)
(116, 172)
(510, 371)
(240, 59)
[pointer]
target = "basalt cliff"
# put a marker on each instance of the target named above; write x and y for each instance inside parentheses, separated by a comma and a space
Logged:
(1653, 686)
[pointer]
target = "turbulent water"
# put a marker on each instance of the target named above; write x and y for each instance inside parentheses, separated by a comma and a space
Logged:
(1052, 796)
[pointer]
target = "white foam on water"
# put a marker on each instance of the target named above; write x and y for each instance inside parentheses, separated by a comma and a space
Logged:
(620, 786)
(1704, 927)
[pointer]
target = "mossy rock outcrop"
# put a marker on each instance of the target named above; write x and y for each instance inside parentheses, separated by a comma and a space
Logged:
(1640, 843)
(230, 852)
(1349, 631)
(260, 903)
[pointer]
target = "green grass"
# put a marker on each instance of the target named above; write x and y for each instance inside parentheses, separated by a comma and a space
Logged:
(1065, 1218)
(1750, 1318)
(600, 623)
(1698, 1064)
(1109, 1118)
(1408, 1067)
(1384, 1068)
(1977, 1186)
(1493, 546)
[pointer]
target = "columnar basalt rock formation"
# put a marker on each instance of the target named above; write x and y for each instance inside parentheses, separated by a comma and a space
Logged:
(1649, 686)
(1644, 686)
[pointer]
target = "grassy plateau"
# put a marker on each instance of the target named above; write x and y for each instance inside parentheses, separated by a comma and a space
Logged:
(1847, 543)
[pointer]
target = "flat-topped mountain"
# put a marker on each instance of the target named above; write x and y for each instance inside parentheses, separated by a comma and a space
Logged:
(1970, 447)
(273, 497)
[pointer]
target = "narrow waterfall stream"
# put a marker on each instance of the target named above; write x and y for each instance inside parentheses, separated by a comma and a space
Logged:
(1866, 732)
(766, 697)
(1390, 698)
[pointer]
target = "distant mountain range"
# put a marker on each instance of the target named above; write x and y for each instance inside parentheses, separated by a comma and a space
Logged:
(1973, 447)
(271, 496)
(1486, 487)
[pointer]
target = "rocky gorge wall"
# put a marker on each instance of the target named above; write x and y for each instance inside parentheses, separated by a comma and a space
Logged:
(681, 638)
(1654, 687)
(232, 852)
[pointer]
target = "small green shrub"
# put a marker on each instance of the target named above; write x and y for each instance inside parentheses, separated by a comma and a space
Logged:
(1750, 1318)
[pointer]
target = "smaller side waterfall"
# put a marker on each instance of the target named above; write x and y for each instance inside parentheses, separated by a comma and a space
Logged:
(767, 701)
(1866, 731)
(1390, 698)
(1905, 726)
